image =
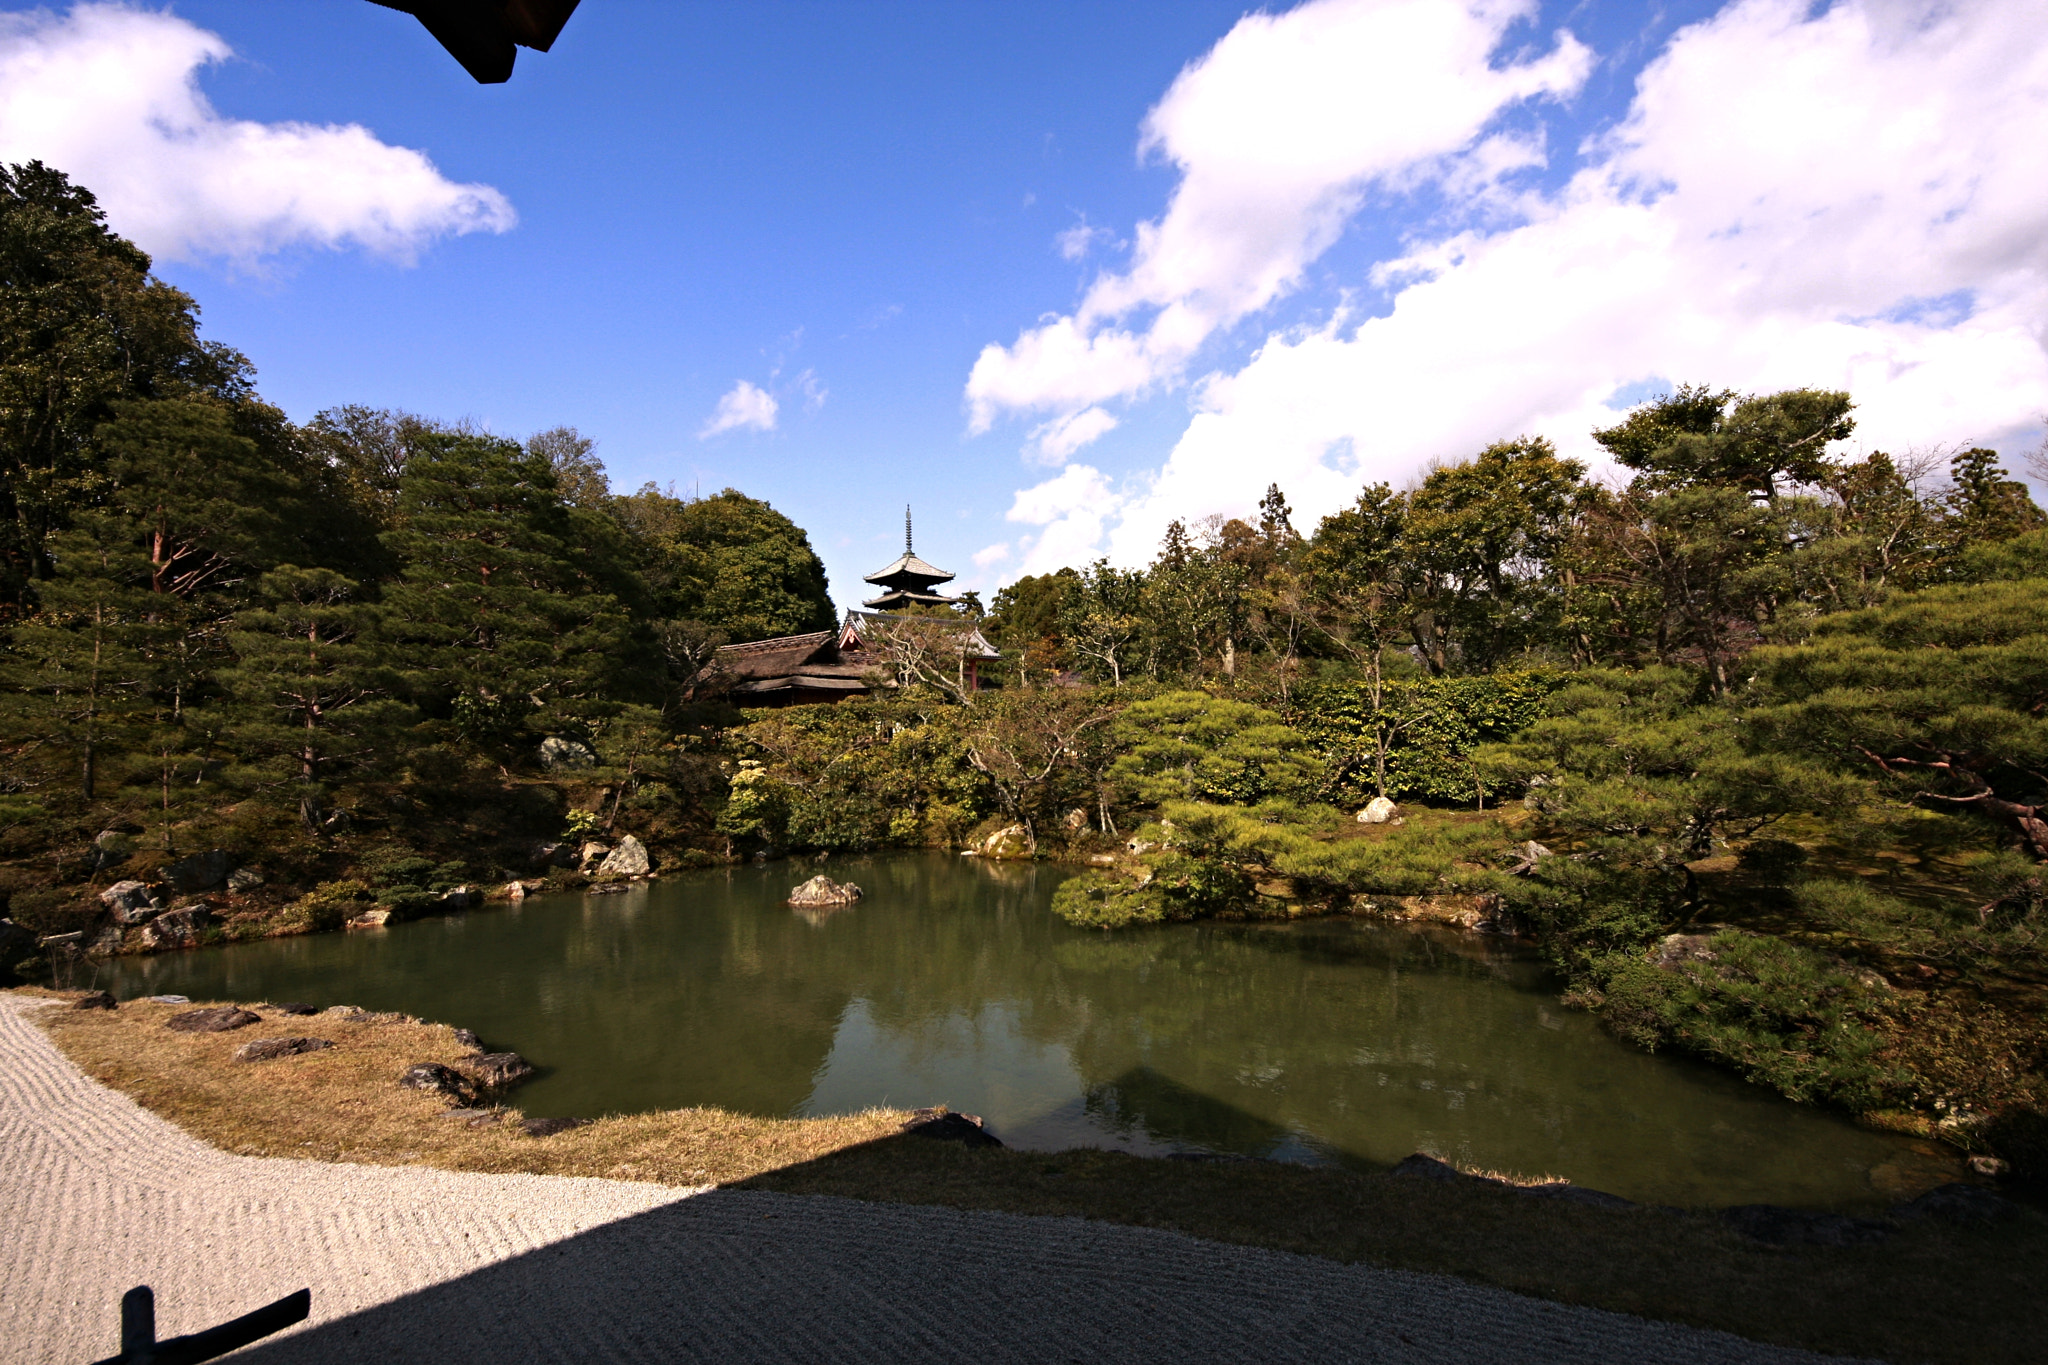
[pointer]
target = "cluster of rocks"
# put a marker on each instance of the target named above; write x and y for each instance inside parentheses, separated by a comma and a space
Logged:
(151, 910)
(627, 860)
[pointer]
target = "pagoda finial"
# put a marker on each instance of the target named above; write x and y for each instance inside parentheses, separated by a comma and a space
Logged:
(906, 528)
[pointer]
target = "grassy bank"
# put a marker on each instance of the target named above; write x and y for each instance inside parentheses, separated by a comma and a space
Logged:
(1932, 1290)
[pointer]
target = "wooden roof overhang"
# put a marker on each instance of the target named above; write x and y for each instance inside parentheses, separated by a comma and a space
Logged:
(486, 35)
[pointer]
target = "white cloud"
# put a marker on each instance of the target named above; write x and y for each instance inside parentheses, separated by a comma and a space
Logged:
(1864, 210)
(1279, 133)
(992, 555)
(109, 94)
(1074, 507)
(743, 408)
(1076, 242)
(1052, 442)
(813, 390)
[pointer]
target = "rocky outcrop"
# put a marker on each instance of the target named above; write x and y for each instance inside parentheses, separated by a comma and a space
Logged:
(216, 1019)
(130, 902)
(199, 872)
(177, 928)
(822, 890)
(592, 854)
(374, 918)
(269, 1049)
(629, 859)
(1378, 811)
(244, 879)
(569, 755)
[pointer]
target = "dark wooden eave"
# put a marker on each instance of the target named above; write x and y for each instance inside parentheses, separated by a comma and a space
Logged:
(486, 35)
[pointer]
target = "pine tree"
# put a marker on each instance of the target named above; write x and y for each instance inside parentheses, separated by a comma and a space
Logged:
(311, 686)
(501, 619)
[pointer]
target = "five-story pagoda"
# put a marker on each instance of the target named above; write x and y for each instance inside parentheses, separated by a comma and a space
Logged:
(908, 581)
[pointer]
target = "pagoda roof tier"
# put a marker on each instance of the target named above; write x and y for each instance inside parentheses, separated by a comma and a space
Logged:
(910, 568)
(903, 597)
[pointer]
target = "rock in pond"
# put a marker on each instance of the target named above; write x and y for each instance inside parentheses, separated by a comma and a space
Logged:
(822, 890)
(629, 859)
(94, 1000)
(269, 1049)
(496, 1070)
(1378, 811)
(440, 1080)
(217, 1019)
(375, 918)
(1955, 1202)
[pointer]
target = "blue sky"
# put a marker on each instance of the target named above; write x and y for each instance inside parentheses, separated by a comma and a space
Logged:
(857, 210)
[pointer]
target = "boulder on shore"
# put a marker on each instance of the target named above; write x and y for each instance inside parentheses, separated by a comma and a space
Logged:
(629, 859)
(269, 1049)
(177, 928)
(1011, 841)
(496, 1070)
(822, 890)
(94, 1000)
(217, 1019)
(440, 1080)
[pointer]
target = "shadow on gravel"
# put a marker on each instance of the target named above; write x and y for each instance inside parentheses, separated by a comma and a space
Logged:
(740, 1276)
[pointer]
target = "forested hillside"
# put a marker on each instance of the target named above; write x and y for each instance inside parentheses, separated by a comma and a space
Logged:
(1750, 739)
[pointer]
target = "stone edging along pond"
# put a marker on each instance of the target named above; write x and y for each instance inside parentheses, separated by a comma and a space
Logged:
(1935, 1279)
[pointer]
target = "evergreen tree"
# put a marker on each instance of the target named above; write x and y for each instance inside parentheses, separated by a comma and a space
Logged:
(501, 616)
(312, 687)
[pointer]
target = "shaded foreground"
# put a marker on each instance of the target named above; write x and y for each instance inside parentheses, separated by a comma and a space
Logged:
(1929, 1289)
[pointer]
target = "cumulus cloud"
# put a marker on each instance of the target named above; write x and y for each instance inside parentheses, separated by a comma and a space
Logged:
(743, 408)
(1074, 508)
(1864, 211)
(990, 556)
(1052, 442)
(1279, 134)
(110, 95)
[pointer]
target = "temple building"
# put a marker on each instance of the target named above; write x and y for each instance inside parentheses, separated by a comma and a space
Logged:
(871, 648)
(908, 581)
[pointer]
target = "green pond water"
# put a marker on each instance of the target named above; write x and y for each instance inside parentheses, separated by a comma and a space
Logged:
(952, 982)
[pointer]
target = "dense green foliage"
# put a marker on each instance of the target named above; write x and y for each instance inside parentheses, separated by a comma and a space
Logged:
(1750, 742)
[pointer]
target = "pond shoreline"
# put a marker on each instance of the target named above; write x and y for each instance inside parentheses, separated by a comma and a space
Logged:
(1928, 1287)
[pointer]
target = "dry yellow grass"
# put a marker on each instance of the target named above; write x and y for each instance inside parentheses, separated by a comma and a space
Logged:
(1933, 1291)
(344, 1103)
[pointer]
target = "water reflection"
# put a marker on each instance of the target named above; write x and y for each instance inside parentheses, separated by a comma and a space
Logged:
(952, 982)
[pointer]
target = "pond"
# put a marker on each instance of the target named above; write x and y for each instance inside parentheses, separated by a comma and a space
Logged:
(1342, 1041)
